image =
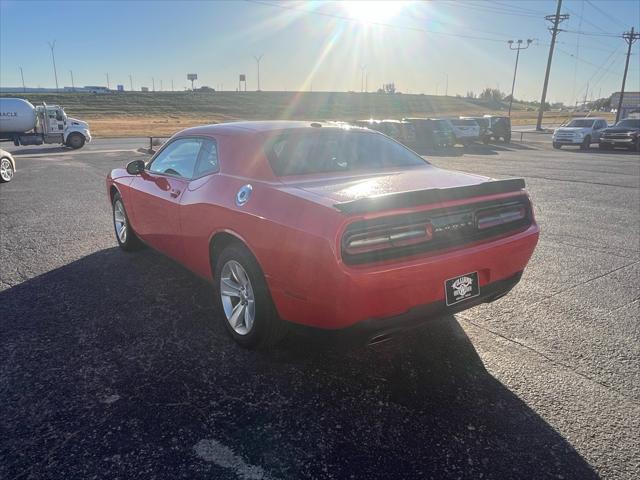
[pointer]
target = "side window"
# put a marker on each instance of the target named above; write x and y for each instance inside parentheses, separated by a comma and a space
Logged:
(208, 159)
(178, 158)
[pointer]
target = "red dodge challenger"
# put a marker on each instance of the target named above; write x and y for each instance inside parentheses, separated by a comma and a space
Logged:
(323, 225)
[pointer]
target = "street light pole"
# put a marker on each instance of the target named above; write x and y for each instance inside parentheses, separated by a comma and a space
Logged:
(24, 89)
(131, 81)
(515, 70)
(53, 57)
(73, 85)
(363, 68)
(257, 58)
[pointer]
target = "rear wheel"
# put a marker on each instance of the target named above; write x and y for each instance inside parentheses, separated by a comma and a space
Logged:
(125, 236)
(75, 141)
(244, 299)
(586, 143)
(6, 170)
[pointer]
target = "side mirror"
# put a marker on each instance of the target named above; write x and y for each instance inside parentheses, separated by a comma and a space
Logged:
(135, 167)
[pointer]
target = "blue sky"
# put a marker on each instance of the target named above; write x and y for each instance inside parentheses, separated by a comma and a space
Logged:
(418, 46)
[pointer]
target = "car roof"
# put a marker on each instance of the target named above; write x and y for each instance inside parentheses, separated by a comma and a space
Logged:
(588, 118)
(248, 127)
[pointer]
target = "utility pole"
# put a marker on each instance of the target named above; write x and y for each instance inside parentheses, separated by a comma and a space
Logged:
(557, 18)
(108, 85)
(24, 89)
(53, 57)
(73, 86)
(131, 82)
(446, 87)
(362, 70)
(160, 85)
(257, 58)
(515, 70)
(172, 84)
(153, 84)
(629, 37)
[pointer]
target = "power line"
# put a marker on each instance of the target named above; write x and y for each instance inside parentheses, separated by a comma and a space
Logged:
(602, 12)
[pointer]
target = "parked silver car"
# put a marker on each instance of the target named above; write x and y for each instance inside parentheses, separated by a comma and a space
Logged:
(7, 166)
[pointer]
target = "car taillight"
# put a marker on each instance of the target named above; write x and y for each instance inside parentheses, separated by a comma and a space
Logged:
(387, 237)
(499, 216)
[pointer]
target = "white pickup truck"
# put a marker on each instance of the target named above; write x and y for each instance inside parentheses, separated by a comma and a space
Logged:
(579, 131)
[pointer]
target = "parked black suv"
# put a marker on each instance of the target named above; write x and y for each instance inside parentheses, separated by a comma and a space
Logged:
(625, 133)
(493, 128)
(500, 127)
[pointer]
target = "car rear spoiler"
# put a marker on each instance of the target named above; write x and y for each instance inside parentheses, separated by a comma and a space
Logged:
(432, 195)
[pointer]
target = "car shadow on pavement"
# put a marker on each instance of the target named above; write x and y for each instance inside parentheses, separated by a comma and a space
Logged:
(116, 365)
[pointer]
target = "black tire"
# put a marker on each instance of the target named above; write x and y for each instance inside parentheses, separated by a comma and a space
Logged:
(485, 140)
(605, 146)
(131, 241)
(507, 139)
(586, 143)
(268, 329)
(557, 146)
(76, 141)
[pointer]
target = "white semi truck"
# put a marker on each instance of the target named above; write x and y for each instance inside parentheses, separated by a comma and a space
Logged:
(25, 124)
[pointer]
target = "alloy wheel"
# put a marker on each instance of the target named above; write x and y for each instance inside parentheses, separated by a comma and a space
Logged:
(120, 221)
(238, 299)
(6, 170)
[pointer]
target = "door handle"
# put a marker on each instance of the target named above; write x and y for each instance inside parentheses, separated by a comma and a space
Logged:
(174, 193)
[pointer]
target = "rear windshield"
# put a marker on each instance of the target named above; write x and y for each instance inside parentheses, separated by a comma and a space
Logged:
(629, 123)
(464, 123)
(581, 123)
(314, 151)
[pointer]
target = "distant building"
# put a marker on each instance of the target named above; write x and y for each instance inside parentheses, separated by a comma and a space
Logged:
(630, 103)
(95, 89)
(144, 89)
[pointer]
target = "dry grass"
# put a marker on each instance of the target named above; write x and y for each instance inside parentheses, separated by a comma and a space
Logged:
(164, 113)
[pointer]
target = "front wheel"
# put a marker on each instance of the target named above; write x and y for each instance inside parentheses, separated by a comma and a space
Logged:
(125, 236)
(244, 299)
(605, 146)
(557, 146)
(6, 170)
(75, 141)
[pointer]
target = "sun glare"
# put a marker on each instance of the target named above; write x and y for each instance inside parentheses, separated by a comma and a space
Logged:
(372, 11)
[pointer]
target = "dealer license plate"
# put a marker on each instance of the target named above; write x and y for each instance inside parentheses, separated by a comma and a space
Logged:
(461, 288)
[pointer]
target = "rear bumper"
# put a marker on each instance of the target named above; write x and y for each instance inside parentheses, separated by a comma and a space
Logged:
(350, 295)
(377, 329)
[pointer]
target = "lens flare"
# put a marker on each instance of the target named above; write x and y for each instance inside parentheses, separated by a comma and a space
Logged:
(373, 11)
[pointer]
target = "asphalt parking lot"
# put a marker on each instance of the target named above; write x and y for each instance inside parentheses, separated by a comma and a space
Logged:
(114, 365)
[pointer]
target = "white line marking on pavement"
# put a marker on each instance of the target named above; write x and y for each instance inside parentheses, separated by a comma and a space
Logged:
(213, 451)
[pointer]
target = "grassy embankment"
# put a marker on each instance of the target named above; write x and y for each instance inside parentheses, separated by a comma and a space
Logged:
(164, 113)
